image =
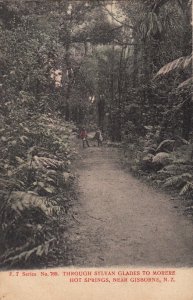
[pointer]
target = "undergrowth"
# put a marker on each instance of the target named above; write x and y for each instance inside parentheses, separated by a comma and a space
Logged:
(166, 165)
(36, 187)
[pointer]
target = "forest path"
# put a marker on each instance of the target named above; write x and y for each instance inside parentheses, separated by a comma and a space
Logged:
(121, 221)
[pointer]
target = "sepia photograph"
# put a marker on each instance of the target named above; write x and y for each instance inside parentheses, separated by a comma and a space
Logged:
(96, 137)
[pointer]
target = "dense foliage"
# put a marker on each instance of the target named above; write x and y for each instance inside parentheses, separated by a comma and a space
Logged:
(107, 55)
(124, 66)
(36, 187)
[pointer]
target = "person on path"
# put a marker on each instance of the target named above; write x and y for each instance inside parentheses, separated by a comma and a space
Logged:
(84, 137)
(98, 137)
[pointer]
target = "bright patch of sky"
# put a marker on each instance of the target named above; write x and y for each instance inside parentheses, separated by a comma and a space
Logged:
(115, 14)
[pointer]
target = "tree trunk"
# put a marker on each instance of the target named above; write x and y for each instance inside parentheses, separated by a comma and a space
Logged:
(101, 112)
(187, 119)
(68, 82)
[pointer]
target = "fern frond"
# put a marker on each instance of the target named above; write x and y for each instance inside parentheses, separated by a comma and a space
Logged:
(9, 184)
(177, 181)
(25, 255)
(186, 188)
(178, 64)
(19, 202)
(162, 158)
(186, 84)
(165, 145)
(47, 163)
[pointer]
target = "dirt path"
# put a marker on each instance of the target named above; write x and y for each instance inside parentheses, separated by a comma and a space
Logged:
(121, 221)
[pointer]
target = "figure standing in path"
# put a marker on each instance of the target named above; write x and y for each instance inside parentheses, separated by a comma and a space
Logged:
(84, 137)
(98, 137)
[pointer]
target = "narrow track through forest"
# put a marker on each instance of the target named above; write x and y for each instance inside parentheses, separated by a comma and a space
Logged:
(121, 221)
(114, 73)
